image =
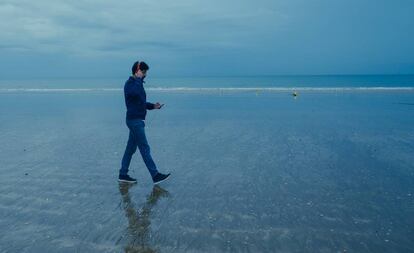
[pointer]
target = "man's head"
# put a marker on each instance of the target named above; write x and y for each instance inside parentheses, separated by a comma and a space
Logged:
(140, 68)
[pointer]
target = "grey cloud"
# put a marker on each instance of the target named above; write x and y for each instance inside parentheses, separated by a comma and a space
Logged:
(92, 25)
(279, 36)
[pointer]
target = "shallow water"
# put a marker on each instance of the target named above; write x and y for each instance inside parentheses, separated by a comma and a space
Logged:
(251, 172)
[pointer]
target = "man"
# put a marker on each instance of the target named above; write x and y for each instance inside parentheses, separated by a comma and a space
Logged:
(137, 106)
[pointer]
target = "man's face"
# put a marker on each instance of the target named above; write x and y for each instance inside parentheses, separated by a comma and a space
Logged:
(141, 73)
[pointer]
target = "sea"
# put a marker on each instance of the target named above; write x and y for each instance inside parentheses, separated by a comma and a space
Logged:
(276, 83)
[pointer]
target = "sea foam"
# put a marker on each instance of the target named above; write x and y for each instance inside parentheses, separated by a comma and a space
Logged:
(214, 89)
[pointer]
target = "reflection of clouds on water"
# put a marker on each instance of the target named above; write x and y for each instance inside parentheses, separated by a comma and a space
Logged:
(139, 223)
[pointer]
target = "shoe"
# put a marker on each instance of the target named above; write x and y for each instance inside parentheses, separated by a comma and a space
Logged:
(159, 177)
(126, 179)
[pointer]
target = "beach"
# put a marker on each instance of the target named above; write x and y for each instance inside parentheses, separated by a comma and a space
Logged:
(252, 171)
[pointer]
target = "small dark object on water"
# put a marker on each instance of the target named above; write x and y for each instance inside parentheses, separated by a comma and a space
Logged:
(26, 174)
(295, 94)
(24, 150)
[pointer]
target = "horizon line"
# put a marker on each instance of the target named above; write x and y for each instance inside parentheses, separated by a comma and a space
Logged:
(198, 76)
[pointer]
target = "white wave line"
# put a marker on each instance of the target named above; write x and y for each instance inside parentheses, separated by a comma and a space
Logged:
(280, 88)
(58, 89)
(212, 89)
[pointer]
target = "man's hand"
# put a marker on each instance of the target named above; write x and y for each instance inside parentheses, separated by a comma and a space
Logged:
(158, 105)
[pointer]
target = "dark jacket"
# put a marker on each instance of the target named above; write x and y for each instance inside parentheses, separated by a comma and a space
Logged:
(136, 99)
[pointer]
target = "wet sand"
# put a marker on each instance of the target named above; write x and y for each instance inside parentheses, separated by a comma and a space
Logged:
(325, 172)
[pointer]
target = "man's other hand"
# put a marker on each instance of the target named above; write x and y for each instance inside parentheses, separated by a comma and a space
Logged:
(158, 105)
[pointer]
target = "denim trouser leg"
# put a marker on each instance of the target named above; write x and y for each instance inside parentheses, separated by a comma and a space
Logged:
(138, 139)
(129, 151)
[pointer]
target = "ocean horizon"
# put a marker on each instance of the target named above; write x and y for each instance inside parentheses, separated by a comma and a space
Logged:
(247, 83)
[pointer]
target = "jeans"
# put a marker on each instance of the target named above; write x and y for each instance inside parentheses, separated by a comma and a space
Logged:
(138, 139)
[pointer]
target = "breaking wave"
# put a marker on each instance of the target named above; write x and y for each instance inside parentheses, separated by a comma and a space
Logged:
(213, 89)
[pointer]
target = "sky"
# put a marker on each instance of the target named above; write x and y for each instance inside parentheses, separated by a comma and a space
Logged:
(97, 38)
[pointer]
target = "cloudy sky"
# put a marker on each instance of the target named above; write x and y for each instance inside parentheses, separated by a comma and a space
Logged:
(54, 38)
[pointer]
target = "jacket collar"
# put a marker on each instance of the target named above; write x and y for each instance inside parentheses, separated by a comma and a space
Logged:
(134, 78)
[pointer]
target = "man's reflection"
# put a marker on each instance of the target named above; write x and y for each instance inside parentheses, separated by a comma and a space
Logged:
(139, 222)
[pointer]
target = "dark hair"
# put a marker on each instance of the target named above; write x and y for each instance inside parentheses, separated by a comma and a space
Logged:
(141, 65)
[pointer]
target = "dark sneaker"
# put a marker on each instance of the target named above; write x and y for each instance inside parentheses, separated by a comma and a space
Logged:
(160, 177)
(126, 179)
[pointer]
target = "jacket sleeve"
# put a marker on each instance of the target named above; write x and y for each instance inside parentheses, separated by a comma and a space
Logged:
(132, 90)
(150, 106)
(136, 90)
